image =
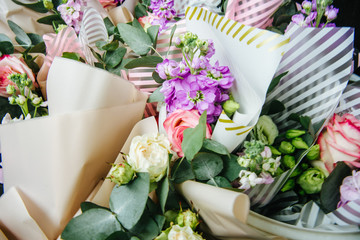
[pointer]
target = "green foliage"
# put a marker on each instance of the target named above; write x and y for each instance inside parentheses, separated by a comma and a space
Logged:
(50, 19)
(147, 61)
(21, 37)
(163, 192)
(37, 7)
(215, 147)
(113, 58)
(140, 11)
(275, 82)
(138, 40)
(220, 181)
(231, 168)
(6, 46)
(182, 171)
(84, 206)
(156, 96)
(207, 165)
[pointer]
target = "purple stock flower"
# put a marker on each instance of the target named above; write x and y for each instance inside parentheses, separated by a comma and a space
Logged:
(163, 8)
(331, 12)
(168, 69)
(299, 19)
(162, 22)
(307, 6)
(350, 189)
(211, 49)
(72, 13)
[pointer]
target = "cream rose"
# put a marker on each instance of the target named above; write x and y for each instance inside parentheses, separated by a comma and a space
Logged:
(340, 141)
(11, 64)
(183, 233)
(150, 153)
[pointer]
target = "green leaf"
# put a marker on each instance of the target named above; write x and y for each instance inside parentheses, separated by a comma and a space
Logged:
(113, 58)
(273, 107)
(6, 46)
(111, 29)
(173, 29)
(103, 45)
(119, 68)
(119, 236)
(137, 39)
(38, 48)
(215, 147)
(48, 20)
(85, 206)
(71, 55)
(129, 201)
(157, 78)
(153, 32)
(330, 190)
(147, 228)
(140, 11)
(156, 96)
(182, 171)
(194, 138)
(219, 181)
(95, 223)
(207, 165)
(21, 37)
(231, 168)
(136, 24)
(163, 192)
(275, 81)
(35, 38)
(37, 7)
(147, 61)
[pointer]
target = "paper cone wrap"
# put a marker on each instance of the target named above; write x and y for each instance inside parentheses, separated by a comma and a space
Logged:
(57, 160)
(211, 5)
(255, 13)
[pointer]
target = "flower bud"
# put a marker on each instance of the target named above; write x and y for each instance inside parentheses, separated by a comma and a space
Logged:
(20, 100)
(274, 151)
(187, 218)
(293, 133)
(36, 101)
(299, 143)
(60, 27)
(289, 185)
(266, 130)
(307, 6)
(121, 173)
(12, 100)
(286, 147)
(311, 180)
(177, 42)
(288, 161)
(48, 4)
(314, 153)
(230, 107)
(10, 89)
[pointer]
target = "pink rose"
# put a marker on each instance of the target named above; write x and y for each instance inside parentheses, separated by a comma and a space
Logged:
(177, 122)
(11, 64)
(340, 141)
(108, 3)
(146, 21)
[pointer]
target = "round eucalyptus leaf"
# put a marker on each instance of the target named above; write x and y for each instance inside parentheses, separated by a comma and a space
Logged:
(206, 165)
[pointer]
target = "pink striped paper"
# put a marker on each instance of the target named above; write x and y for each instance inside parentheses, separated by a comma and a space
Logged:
(255, 13)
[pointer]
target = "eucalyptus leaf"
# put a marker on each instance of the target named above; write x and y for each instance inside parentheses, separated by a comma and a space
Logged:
(275, 106)
(215, 147)
(110, 46)
(85, 206)
(147, 228)
(231, 168)
(182, 171)
(163, 192)
(119, 236)
(97, 223)
(207, 165)
(129, 201)
(194, 138)
(140, 11)
(110, 27)
(153, 32)
(21, 37)
(35, 38)
(135, 23)
(147, 61)
(37, 7)
(113, 58)
(38, 48)
(157, 78)
(6, 46)
(138, 40)
(219, 181)
(48, 20)
(71, 55)
(118, 70)
(156, 96)
(330, 190)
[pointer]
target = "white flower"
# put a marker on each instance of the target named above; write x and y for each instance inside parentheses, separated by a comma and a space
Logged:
(249, 179)
(271, 165)
(150, 153)
(20, 100)
(183, 233)
(244, 162)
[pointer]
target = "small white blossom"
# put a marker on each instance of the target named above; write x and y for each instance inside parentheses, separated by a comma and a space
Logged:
(183, 233)
(249, 179)
(20, 100)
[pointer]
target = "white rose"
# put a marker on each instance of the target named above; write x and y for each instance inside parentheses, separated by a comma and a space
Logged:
(150, 153)
(183, 233)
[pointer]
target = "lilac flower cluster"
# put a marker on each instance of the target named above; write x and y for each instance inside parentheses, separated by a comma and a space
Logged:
(72, 13)
(312, 13)
(164, 11)
(350, 189)
(194, 83)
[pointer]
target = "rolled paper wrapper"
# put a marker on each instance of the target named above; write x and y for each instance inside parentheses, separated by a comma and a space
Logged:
(120, 15)
(22, 16)
(57, 160)
(255, 13)
(211, 5)
(102, 194)
(224, 212)
(130, 5)
(244, 50)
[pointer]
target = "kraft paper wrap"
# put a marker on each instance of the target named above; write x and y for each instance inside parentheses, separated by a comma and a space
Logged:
(55, 161)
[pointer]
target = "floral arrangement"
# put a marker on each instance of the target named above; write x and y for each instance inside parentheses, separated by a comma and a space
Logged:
(305, 160)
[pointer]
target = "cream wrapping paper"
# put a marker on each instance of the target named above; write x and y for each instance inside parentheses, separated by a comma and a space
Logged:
(56, 161)
(244, 50)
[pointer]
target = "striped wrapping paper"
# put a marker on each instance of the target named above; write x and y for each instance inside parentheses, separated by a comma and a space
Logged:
(318, 62)
(256, 13)
(350, 100)
(212, 5)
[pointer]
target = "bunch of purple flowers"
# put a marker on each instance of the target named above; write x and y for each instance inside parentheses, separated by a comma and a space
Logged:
(194, 83)
(72, 13)
(164, 11)
(312, 13)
